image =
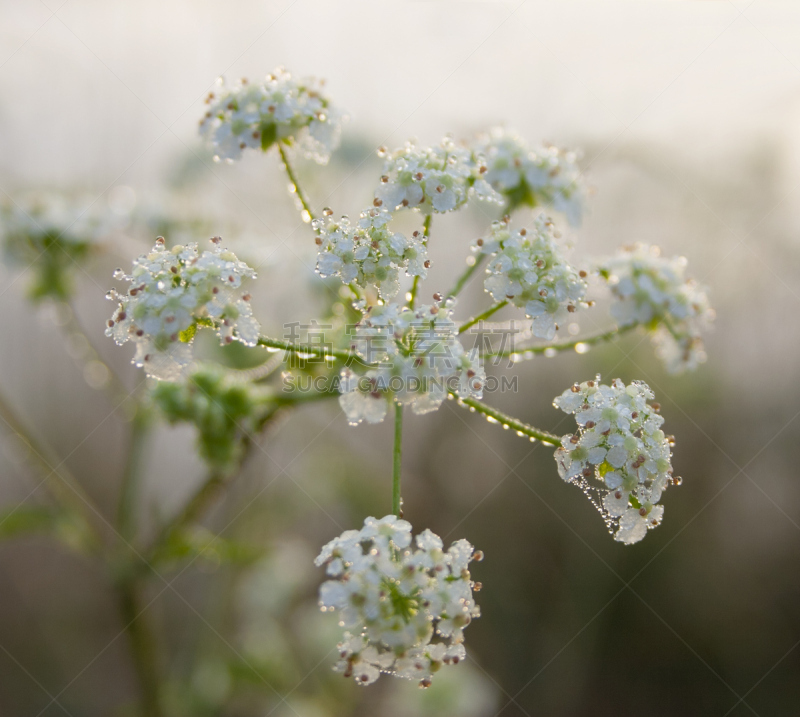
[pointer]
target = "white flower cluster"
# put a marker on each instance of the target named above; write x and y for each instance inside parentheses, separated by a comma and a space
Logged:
(279, 109)
(619, 443)
(532, 176)
(52, 234)
(172, 293)
(404, 607)
(432, 179)
(653, 291)
(369, 253)
(528, 269)
(418, 358)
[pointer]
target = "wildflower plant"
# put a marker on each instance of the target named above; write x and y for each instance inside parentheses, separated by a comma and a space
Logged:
(403, 601)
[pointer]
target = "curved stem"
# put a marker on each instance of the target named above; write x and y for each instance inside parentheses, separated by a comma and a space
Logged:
(397, 503)
(308, 212)
(426, 230)
(61, 484)
(590, 340)
(462, 280)
(481, 317)
(509, 422)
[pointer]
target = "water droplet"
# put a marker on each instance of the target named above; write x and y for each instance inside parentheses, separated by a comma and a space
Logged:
(550, 352)
(581, 348)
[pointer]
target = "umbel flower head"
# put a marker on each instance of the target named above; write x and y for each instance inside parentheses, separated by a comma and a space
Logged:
(404, 604)
(528, 176)
(368, 252)
(653, 291)
(52, 234)
(279, 109)
(619, 457)
(172, 293)
(528, 269)
(431, 179)
(417, 359)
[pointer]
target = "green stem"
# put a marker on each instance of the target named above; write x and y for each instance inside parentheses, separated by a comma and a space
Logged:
(131, 479)
(397, 504)
(481, 317)
(311, 350)
(293, 179)
(462, 280)
(61, 484)
(495, 416)
(426, 232)
(143, 648)
(590, 340)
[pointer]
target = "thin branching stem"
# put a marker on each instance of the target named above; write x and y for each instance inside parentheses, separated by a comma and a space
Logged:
(397, 454)
(482, 317)
(426, 231)
(462, 280)
(132, 476)
(297, 188)
(312, 351)
(590, 340)
(64, 488)
(508, 422)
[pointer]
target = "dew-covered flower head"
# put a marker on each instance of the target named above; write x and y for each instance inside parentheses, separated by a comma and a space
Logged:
(431, 179)
(367, 252)
(532, 176)
(527, 268)
(620, 456)
(281, 108)
(404, 603)
(654, 292)
(416, 358)
(172, 293)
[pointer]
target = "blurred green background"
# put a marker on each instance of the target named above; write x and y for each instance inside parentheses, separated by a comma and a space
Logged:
(689, 118)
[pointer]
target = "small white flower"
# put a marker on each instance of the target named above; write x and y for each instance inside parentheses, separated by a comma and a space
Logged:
(419, 360)
(395, 597)
(621, 446)
(528, 269)
(653, 291)
(175, 291)
(543, 175)
(279, 109)
(369, 253)
(431, 179)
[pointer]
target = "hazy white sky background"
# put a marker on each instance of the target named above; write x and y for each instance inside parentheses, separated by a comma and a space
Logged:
(100, 91)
